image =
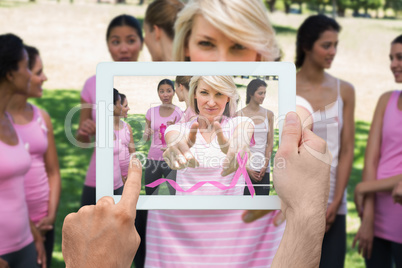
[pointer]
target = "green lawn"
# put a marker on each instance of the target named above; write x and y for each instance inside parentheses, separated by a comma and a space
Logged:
(74, 162)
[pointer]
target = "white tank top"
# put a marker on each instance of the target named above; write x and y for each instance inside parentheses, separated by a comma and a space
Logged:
(328, 123)
(257, 160)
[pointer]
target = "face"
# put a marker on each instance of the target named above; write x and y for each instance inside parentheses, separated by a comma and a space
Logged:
(324, 49)
(124, 44)
(37, 79)
(259, 95)
(396, 61)
(151, 42)
(22, 77)
(166, 93)
(125, 108)
(206, 43)
(210, 102)
(118, 108)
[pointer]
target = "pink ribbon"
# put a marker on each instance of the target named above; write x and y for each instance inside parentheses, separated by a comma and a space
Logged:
(241, 170)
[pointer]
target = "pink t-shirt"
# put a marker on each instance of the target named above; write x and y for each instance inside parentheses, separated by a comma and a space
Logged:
(124, 154)
(209, 238)
(153, 115)
(388, 215)
(34, 135)
(15, 232)
(88, 94)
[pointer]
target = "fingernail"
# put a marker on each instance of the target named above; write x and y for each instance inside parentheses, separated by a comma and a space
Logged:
(188, 156)
(248, 217)
(291, 118)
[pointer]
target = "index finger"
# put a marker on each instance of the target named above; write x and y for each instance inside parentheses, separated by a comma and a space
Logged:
(132, 188)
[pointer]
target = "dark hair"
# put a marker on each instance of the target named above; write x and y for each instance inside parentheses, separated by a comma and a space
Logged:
(125, 20)
(32, 54)
(11, 52)
(165, 82)
(116, 96)
(184, 80)
(163, 13)
(397, 40)
(122, 97)
(252, 88)
(309, 32)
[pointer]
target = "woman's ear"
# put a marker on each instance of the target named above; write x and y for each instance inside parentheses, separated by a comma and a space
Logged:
(157, 32)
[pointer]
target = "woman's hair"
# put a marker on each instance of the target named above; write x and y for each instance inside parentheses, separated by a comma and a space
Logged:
(184, 80)
(125, 20)
(11, 52)
(397, 40)
(244, 22)
(32, 54)
(309, 32)
(252, 88)
(222, 84)
(122, 98)
(165, 82)
(163, 13)
(116, 96)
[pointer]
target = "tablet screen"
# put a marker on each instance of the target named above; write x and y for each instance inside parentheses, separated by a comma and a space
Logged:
(157, 108)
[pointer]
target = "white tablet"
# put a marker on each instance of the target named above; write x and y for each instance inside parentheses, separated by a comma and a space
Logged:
(139, 82)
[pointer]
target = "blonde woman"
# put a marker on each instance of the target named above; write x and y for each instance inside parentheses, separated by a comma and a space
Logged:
(227, 30)
(215, 31)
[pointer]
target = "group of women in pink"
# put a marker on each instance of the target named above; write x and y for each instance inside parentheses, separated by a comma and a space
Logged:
(226, 30)
(30, 182)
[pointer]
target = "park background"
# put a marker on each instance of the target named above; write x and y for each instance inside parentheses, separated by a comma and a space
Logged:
(71, 38)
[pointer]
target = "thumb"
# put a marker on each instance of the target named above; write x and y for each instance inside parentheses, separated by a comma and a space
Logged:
(222, 140)
(193, 134)
(291, 134)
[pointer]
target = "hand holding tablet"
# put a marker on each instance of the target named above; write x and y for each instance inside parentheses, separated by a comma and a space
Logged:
(104, 235)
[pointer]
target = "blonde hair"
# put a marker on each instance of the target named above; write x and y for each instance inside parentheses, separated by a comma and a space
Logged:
(222, 84)
(244, 22)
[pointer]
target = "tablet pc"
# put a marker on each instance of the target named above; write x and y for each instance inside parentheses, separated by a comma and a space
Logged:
(139, 80)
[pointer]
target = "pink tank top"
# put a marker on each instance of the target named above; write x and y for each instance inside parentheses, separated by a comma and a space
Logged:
(157, 120)
(388, 216)
(124, 141)
(15, 232)
(34, 135)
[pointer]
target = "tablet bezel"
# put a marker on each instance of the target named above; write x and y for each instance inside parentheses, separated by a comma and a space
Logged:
(105, 73)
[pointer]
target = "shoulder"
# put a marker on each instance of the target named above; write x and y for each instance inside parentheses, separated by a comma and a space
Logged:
(240, 112)
(347, 90)
(384, 98)
(269, 113)
(45, 117)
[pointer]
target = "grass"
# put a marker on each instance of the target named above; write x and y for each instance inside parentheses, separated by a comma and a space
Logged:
(74, 162)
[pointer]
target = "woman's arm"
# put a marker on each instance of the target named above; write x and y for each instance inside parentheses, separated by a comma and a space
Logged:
(270, 141)
(372, 157)
(131, 145)
(87, 126)
(53, 174)
(148, 131)
(346, 151)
